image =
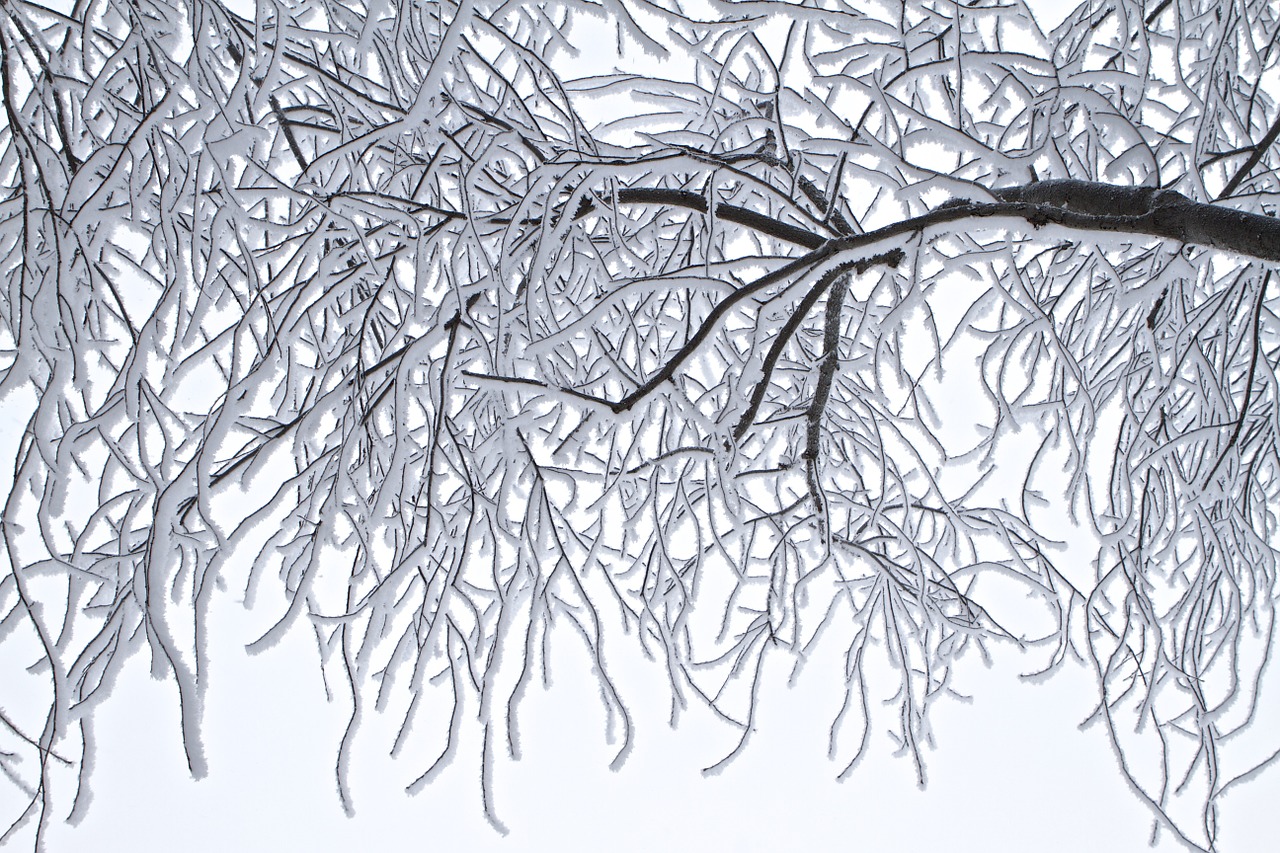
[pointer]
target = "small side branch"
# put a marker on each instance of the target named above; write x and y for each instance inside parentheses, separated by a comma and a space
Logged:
(817, 408)
(780, 341)
(1255, 158)
(725, 212)
(287, 127)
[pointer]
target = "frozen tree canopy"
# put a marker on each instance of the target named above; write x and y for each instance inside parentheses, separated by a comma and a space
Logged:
(801, 325)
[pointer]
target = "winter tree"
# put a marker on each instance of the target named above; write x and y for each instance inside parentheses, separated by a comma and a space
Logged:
(808, 326)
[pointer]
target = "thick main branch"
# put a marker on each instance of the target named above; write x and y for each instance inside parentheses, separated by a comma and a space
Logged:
(1089, 206)
(1079, 205)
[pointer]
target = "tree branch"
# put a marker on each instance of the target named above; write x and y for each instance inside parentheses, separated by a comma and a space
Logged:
(726, 212)
(1258, 151)
(1079, 205)
(785, 334)
(1252, 374)
(1089, 206)
(818, 407)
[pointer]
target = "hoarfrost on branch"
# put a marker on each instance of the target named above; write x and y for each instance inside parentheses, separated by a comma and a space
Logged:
(386, 309)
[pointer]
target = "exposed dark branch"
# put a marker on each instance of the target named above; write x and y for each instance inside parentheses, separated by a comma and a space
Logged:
(816, 196)
(287, 127)
(891, 258)
(724, 212)
(775, 350)
(818, 407)
(1259, 151)
(1155, 13)
(1089, 206)
(1080, 205)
